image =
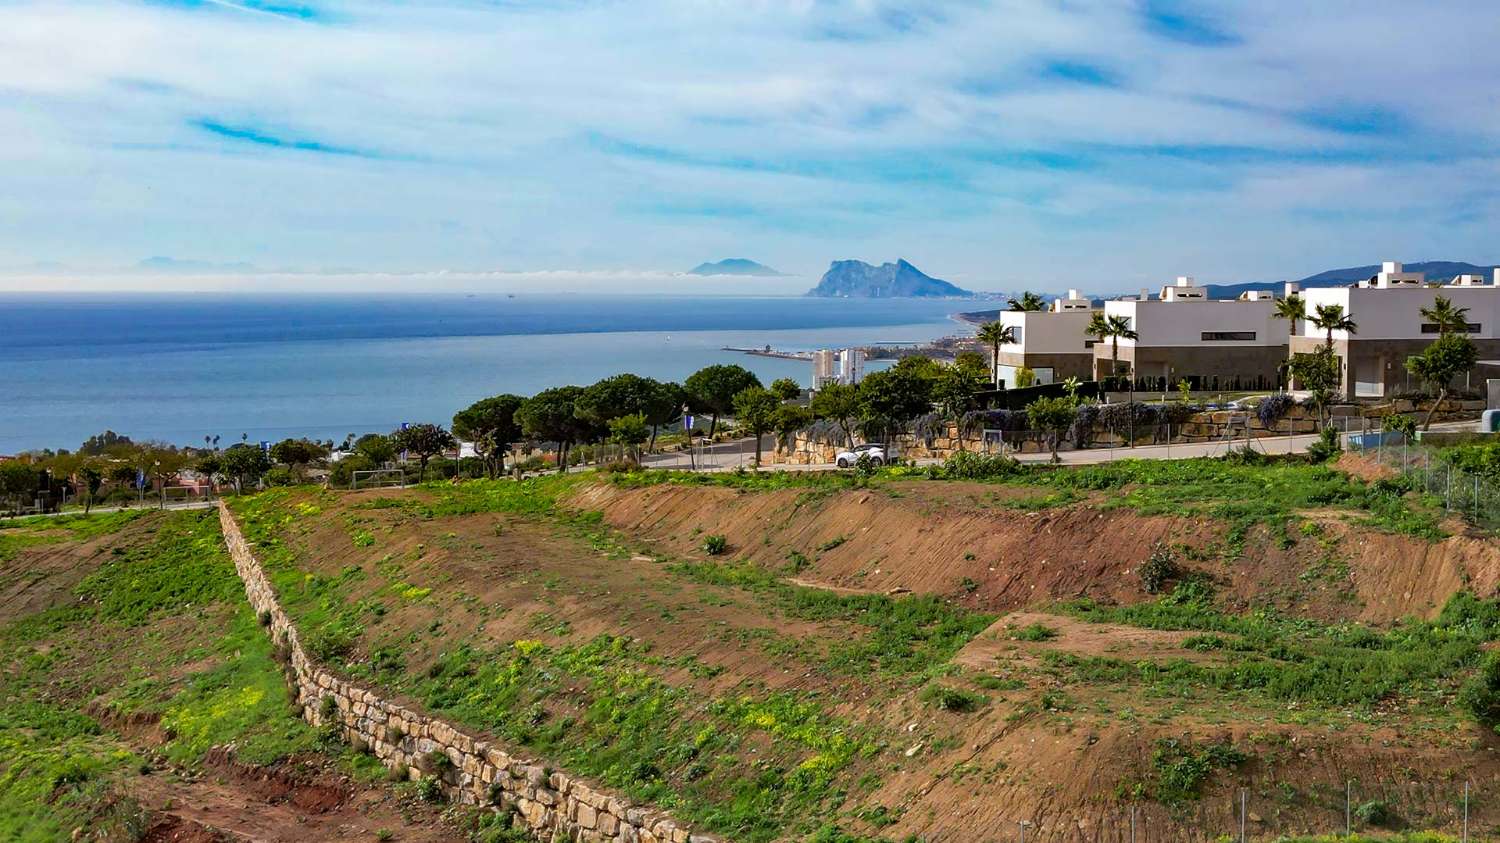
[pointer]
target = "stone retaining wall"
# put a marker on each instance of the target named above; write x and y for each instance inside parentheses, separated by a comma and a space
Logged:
(554, 805)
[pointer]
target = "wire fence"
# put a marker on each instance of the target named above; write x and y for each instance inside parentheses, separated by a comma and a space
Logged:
(1348, 808)
(1422, 467)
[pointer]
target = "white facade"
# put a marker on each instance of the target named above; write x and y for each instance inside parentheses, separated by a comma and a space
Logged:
(1395, 312)
(851, 365)
(1185, 316)
(824, 372)
(1058, 330)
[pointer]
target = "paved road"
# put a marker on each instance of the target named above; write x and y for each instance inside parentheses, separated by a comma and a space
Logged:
(730, 455)
(147, 505)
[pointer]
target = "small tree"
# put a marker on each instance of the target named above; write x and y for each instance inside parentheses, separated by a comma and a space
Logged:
(755, 410)
(244, 465)
(712, 390)
(788, 419)
(92, 479)
(1331, 317)
(839, 403)
(995, 335)
(785, 389)
(377, 447)
(1052, 416)
(1448, 357)
(425, 440)
(490, 423)
(548, 416)
(630, 431)
(1318, 373)
(18, 482)
(890, 399)
(296, 454)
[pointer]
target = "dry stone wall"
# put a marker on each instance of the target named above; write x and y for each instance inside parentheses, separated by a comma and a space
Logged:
(554, 805)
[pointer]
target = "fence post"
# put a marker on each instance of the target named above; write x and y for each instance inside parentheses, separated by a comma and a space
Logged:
(1448, 495)
(1349, 797)
(1466, 813)
(1242, 814)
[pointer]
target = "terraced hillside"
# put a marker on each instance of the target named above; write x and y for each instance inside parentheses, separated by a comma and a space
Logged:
(139, 700)
(790, 657)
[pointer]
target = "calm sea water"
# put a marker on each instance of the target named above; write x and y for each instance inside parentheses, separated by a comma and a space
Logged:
(177, 368)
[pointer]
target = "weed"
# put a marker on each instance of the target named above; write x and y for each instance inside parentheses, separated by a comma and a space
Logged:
(1034, 632)
(715, 544)
(949, 698)
(1159, 569)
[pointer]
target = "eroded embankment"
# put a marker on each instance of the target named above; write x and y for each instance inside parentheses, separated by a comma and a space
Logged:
(474, 771)
(947, 541)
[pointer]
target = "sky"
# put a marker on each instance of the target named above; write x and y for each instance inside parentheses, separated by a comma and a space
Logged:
(562, 144)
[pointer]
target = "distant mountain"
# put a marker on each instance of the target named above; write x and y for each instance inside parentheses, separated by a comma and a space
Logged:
(159, 263)
(857, 279)
(733, 266)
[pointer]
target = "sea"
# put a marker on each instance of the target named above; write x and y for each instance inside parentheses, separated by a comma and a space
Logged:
(178, 368)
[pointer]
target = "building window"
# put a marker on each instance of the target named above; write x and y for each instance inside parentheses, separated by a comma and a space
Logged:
(1087, 344)
(1433, 328)
(1227, 336)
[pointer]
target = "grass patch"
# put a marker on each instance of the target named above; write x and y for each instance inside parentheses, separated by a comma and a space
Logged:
(1293, 659)
(144, 612)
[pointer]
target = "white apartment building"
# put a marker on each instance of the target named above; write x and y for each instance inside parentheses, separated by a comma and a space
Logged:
(1389, 327)
(824, 368)
(851, 365)
(1213, 344)
(1050, 342)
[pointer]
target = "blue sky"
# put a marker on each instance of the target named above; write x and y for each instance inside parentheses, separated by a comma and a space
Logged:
(1102, 144)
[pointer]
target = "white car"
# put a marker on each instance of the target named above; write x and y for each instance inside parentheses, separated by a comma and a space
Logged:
(851, 456)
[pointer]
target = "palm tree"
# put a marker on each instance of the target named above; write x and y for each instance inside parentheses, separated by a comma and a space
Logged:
(1119, 328)
(1330, 318)
(1291, 308)
(1098, 327)
(996, 335)
(1449, 319)
(1027, 302)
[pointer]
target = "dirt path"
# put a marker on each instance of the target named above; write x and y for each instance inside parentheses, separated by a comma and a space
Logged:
(1080, 638)
(235, 802)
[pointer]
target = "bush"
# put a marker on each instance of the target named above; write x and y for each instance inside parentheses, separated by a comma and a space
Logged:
(1480, 695)
(1181, 770)
(430, 789)
(1402, 424)
(715, 545)
(281, 476)
(1326, 447)
(1273, 408)
(967, 465)
(1374, 812)
(619, 467)
(1159, 569)
(952, 699)
(1034, 632)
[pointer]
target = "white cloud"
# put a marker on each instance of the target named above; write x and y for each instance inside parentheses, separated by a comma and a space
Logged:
(791, 132)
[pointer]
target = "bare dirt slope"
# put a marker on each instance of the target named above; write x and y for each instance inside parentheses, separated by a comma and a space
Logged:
(1039, 738)
(949, 539)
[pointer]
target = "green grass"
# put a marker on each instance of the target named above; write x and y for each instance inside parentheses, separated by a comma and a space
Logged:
(57, 763)
(1286, 659)
(907, 635)
(601, 708)
(18, 533)
(1243, 493)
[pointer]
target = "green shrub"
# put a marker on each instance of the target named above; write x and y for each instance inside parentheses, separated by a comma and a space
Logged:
(1034, 632)
(715, 545)
(1179, 769)
(1374, 812)
(1159, 569)
(430, 789)
(949, 698)
(1480, 695)
(1326, 446)
(968, 465)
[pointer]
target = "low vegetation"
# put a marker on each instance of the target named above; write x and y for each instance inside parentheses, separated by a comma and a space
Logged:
(171, 606)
